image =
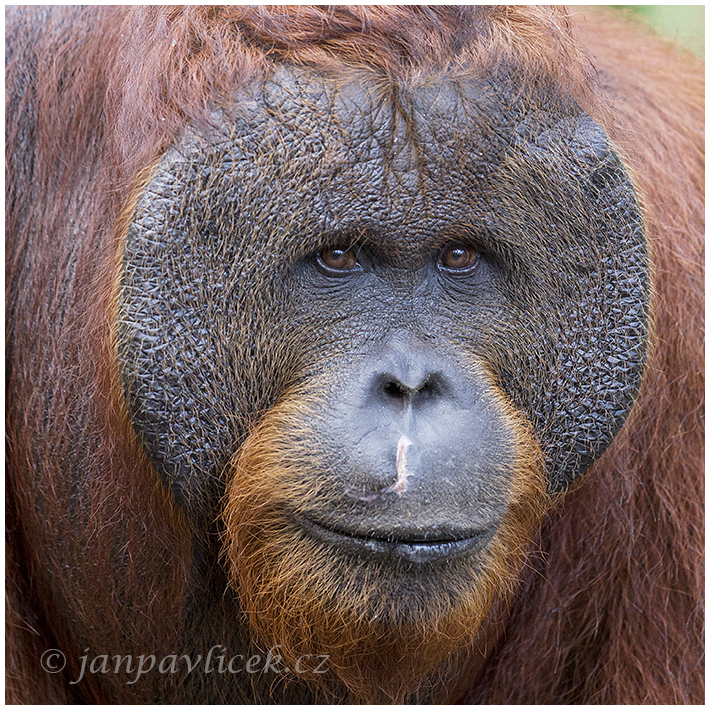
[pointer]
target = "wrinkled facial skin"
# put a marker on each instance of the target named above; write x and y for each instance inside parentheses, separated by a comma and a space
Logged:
(225, 305)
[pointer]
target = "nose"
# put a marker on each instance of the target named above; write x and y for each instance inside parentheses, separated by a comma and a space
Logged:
(407, 376)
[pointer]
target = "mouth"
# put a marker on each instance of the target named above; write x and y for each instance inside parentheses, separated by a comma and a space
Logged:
(409, 546)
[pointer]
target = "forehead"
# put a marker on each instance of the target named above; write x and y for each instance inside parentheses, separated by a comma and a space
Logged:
(353, 150)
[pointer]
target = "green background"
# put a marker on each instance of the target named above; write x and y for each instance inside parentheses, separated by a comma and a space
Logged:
(681, 23)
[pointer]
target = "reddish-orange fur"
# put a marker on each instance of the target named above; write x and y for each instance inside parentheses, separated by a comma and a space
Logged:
(610, 613)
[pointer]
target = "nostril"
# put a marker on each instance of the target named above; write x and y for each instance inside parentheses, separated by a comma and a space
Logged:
(395, 390)
(427, 390)
(433, 388)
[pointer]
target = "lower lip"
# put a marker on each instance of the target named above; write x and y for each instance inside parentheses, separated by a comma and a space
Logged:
(418, 552)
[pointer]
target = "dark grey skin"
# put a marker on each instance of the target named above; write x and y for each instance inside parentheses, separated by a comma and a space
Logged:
(227, 298)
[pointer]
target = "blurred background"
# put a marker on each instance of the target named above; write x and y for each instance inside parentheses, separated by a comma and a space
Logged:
(682, 23)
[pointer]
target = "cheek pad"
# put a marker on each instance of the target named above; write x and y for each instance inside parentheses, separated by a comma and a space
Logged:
(581, 356)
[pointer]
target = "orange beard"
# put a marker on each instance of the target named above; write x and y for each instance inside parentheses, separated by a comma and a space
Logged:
(386, 626)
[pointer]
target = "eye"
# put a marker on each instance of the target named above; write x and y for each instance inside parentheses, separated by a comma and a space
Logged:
(457, 257)
(337, 259)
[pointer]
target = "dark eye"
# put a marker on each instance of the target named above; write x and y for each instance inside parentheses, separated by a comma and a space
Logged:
(457, 258)
(336, 259)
